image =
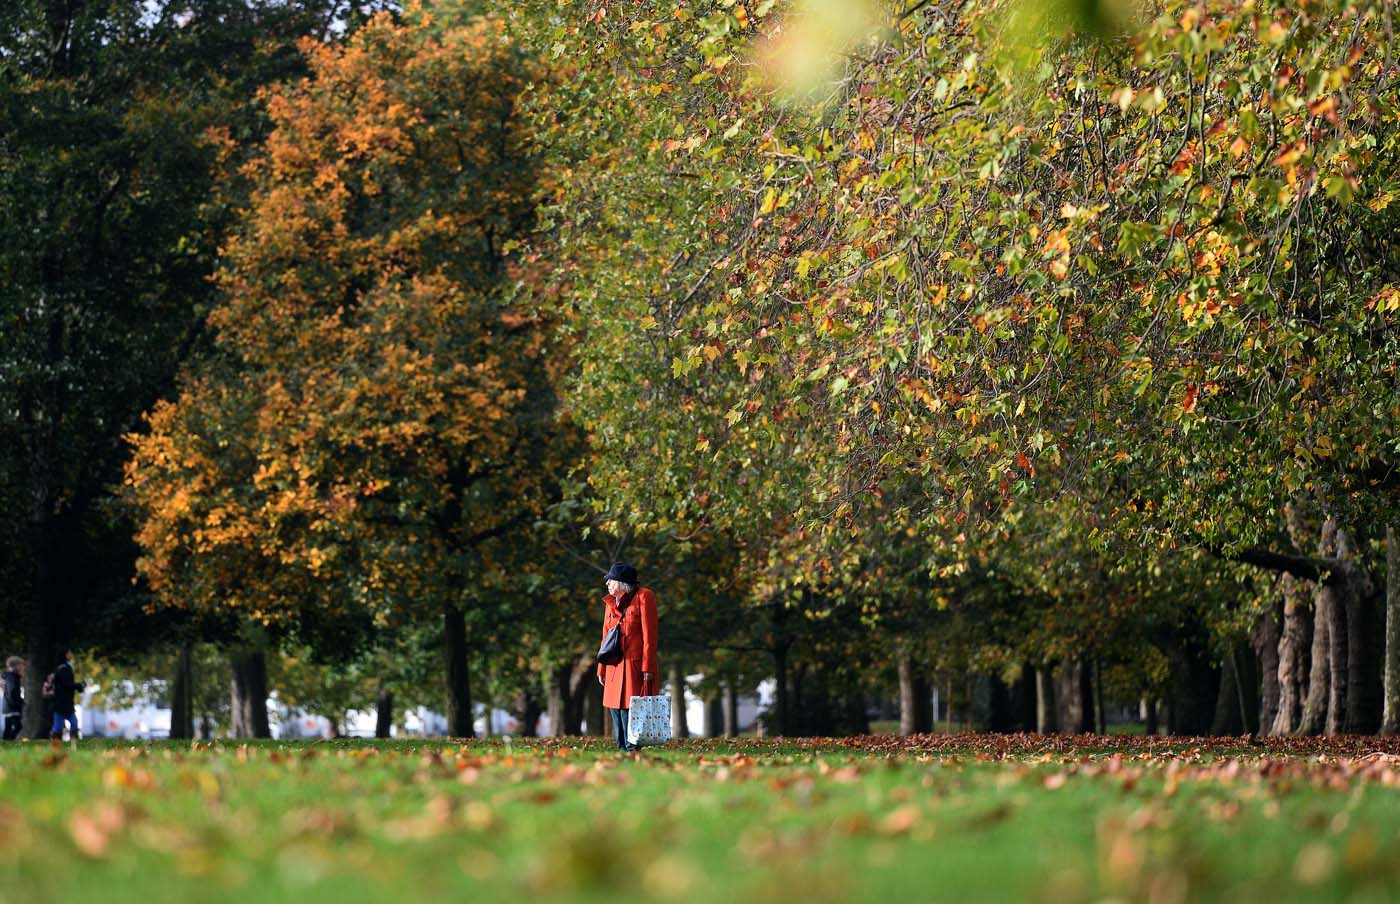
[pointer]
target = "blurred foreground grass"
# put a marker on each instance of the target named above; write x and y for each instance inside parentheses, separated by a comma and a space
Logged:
(946, 819)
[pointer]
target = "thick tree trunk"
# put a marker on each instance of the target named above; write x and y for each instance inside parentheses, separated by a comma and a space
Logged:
(1086, 697)
(593, 706)
(383, 712)
(1314, 716)
(1333, 606)
(1362, 712)
(1100, 717)
(1390, 713)
(1075, 696)
(1292, 651)
(915, 696)
(1023, 700)
(459, 697)
(731, 709)
(583, 675)
(713, 724)
(556, 681)
(1046, 712)
(182, 696)
(528, 712)
(248, 694)
(1149, 705)
(679, 728)
(1227, 708)
(1264, 638)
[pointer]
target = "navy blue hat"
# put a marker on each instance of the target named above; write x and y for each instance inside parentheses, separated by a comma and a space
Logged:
(623, 572)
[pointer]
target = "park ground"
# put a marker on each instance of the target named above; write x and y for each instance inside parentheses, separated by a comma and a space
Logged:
(933, 818)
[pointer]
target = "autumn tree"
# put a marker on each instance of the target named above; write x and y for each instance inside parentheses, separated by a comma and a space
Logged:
(378, 410)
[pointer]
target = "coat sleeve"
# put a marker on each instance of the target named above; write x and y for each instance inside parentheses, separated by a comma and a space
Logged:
(649, 634)
(603, 636)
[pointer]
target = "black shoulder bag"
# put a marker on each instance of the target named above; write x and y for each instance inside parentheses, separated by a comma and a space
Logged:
(610, 652)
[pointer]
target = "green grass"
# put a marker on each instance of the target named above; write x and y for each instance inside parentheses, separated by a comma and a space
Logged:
(934, 819)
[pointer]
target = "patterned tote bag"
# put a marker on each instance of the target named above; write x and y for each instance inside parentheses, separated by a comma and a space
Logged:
(649, 720)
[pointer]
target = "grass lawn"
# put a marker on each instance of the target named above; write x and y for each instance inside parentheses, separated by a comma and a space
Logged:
(939, 818)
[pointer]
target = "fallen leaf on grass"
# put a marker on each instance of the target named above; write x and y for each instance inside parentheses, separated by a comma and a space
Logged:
(900, 821)
(88, 836)
(1315, 864)
(92, 830)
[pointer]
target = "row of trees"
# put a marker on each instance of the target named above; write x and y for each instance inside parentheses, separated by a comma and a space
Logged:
(1057, 368)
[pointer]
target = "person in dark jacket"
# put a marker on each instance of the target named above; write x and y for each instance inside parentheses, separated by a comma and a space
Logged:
(65, 687)
(11, 696)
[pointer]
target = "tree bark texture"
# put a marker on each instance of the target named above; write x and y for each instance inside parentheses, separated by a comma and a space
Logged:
(383, 712)
(915, 696)
(1264, 638)
(713, 725)
(731, 710)
(182, 696)
(1362, 710)
(556, 698)
(1227, 709)
(1314, 716)
(1046, 712)
(248, 694)
(1292, 654)
(1333, 607)
(679, 728)
(1390, 710)
(594, 717)
(459, 697)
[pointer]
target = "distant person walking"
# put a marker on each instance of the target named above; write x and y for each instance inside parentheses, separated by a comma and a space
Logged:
(627, 661)
(62, 687)
(11, 697)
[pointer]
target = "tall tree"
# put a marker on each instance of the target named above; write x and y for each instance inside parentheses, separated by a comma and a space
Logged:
(378, 410)
(107, 239)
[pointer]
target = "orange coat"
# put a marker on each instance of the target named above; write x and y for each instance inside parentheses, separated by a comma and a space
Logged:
(623, 681)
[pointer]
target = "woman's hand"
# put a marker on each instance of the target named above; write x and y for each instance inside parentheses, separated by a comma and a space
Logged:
(648, 682)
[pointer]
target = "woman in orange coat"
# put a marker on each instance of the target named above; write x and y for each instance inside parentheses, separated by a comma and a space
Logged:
(634, 675)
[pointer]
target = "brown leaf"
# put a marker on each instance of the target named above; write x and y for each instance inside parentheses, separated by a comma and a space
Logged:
(87, 835)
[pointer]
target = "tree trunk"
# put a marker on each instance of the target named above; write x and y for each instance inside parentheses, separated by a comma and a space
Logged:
(182, 696)
(679, 728)
(1264, 638)
(713, 724)
(593, 706)
(1149, 705)
(1314, 715)
(1362, 714)
(915, 696)
(459, 697)
(1100, 717)
(1046, 712)
(248, 694)
(528, 712)
(1390, 714)
(1023, 700)
(1075, 696)
(1227, 708)
(383, 712)
(556, 681)
(781, 725)
(1291, 652)
(582, 677)
(1333, 606)
(1086, 697)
